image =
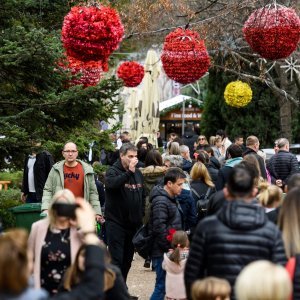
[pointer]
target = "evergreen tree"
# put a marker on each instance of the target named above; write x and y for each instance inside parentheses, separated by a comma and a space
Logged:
(260, 117)
(35, 102)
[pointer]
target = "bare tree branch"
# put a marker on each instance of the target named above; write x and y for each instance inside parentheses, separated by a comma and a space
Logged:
(202, 21)
(269, 82)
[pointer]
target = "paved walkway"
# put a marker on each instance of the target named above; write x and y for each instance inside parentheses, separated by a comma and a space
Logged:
(140, 280)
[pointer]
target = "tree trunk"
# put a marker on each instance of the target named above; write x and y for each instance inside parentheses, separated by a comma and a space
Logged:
(285, 105)
(285, 118)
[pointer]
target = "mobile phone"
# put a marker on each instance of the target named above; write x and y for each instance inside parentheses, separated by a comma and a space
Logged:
(65, 209)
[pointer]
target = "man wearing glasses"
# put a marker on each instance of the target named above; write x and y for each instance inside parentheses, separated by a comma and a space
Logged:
(72, 174)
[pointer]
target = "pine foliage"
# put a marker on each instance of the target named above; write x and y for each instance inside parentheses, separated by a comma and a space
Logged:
(35, 99)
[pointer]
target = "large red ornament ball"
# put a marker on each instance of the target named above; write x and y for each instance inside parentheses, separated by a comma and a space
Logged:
(131, 72)
(92, 33)
(184, 56)
(273, 32)
(88, 73)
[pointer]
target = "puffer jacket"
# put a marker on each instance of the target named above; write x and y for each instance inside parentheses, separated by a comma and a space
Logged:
(164, 215)
(188, 207)
(282, 165)
(226, 242)
(152, 176)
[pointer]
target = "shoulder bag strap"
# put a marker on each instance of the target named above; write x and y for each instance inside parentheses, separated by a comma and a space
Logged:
(194, 191)
(207, 192)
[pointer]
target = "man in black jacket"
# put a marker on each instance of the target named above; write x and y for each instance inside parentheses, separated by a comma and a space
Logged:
(189, 138)
(283, 164)
(124, 206)
(36, 169)
(164, 215)
(252, 146)
(237, 235)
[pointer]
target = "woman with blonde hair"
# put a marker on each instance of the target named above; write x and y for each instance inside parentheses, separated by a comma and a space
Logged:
(200, 143)
(201, 183)
(174, 148)
(54, 242)
(15, 263)
(263, 280)
(219, 150)
(15, 267)
(211, 288)
(270, 196)
(200, 173)
(289, 222)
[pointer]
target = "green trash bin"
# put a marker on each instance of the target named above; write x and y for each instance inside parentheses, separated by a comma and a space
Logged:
(26, 214)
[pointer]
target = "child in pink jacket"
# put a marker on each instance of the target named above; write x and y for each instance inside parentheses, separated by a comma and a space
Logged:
(174, 264)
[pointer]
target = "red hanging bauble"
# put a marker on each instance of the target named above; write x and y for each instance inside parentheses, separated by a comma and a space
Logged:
(273, 31)
(131, 72)
(184, 56)
(89, 73)
(92, 33)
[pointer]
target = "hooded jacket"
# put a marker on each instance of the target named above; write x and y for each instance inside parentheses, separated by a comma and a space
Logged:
(164, 215)
(152, 176)
(55, 182)
(174, 278)
(225, 171)
(124, 196)
(226, 242)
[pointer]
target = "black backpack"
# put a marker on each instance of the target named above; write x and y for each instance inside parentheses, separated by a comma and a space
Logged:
(201, 202)
(142, 241)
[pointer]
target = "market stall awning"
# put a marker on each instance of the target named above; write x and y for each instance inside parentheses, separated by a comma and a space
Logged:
(173, 101)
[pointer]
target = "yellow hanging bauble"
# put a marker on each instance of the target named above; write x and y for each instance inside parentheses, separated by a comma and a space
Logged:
(238, 94)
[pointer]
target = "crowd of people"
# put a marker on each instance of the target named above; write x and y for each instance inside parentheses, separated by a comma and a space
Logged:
(223, 222)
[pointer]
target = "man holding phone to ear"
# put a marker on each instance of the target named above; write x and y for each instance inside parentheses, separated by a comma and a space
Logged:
(75, 175)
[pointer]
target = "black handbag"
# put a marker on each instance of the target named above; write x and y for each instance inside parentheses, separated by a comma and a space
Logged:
(142, 242)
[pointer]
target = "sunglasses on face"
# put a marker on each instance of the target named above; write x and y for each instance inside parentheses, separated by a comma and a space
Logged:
(201, 139)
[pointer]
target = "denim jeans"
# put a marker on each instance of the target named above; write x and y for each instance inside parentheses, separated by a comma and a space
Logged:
(160, 283)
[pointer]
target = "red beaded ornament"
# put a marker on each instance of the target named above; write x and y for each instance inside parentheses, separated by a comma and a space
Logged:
(131, 72)
(273, 31)
(92, 33)
(184, 56)
(89, 73)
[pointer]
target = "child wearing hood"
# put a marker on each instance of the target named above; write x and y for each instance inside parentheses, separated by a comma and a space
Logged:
(174, 264)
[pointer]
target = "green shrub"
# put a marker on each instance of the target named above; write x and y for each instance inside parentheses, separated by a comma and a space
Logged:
(15, 178)
(8, 199)
(99, 169)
